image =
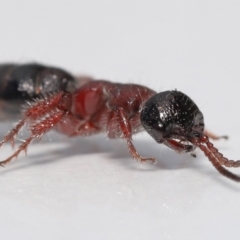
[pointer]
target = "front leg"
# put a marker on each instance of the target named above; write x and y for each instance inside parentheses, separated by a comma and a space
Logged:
(214, 136)
(126, 130)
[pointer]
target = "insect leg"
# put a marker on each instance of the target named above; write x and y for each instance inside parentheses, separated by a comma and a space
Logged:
(127, 135)
(33, 112)
(86, 129)
(214, 136)
(37, 130)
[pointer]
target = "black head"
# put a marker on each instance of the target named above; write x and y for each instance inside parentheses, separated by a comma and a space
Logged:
(172, 118)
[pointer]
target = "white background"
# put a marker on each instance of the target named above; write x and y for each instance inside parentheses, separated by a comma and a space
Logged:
(90, 188)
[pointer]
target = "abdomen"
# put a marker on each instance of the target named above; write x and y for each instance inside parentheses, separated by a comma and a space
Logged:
(21, 83)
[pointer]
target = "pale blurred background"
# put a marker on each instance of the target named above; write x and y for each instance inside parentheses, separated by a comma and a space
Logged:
(90, 188)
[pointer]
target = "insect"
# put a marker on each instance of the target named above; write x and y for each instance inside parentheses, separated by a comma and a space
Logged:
(22, 83)
(76, 108)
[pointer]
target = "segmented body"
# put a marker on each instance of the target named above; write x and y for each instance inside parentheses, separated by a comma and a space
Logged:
(21, 83)
(83, 106)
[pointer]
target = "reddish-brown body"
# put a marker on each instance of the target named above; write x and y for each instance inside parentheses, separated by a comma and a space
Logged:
(101, 106)
(97, 106)
(82, 106)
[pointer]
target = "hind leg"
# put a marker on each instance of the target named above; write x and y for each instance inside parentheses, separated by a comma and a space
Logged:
(37, 130)
(33, 112)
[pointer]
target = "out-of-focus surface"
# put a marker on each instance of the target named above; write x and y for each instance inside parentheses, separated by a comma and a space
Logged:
(90, 188)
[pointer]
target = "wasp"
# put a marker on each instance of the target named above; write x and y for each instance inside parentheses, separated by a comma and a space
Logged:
(77, 106)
